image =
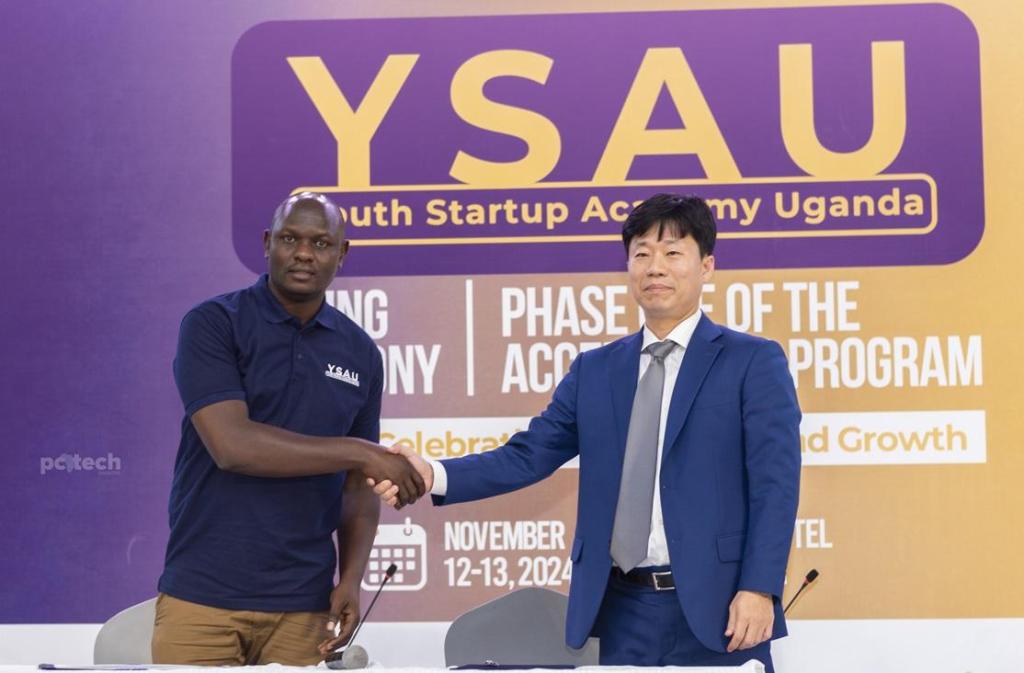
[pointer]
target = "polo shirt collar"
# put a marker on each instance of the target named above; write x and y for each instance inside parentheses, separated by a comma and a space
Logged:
(272, 311)
(328, 317)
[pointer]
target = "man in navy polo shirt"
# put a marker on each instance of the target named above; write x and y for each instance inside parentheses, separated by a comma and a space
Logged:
(282, 397)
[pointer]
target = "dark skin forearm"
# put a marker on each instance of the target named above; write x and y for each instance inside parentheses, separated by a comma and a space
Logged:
(238, 444)
(360, 515)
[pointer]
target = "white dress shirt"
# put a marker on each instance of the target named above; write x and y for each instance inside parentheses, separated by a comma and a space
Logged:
(657, 545)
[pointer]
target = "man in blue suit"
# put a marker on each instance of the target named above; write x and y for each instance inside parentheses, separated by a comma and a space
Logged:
(688, 440)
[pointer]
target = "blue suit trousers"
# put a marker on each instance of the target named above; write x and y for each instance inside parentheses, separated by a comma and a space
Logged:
(640, 626)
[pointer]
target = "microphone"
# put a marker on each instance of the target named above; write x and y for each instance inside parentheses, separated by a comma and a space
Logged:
(355, 656)
(811, 576)
(352, 657)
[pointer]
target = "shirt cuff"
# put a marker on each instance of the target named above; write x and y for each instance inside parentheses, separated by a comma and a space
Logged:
(440, 487)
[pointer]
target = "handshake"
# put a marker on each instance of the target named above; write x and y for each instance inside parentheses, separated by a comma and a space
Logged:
(398, 475)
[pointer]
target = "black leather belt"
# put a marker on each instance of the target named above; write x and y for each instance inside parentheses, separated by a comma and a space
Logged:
(660, 581)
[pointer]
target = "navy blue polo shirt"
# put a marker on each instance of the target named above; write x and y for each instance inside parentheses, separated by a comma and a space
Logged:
(258, 543)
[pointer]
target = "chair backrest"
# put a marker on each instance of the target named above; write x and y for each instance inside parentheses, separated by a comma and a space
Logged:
(127, 636)
(525, 627)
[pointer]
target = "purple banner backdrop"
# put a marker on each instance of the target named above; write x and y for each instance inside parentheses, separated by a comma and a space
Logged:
(126, 203)
(281, 142)
(115, 176)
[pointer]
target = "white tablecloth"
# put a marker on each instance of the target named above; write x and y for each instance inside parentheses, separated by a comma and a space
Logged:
(749, 667)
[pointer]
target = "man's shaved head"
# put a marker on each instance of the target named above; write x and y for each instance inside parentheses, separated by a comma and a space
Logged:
(304, 248)
(309, 201)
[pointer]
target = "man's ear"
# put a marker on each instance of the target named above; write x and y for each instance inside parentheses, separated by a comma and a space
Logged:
(341, 257)
(266, 244)
(707, 268)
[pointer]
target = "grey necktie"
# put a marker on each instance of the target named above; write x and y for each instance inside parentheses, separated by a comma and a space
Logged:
(636, 492)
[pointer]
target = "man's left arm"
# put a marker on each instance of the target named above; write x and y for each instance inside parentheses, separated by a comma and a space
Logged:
(771, 430)
(360, 515)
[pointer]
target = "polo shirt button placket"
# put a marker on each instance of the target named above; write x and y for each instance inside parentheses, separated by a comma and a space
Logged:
(296, 343)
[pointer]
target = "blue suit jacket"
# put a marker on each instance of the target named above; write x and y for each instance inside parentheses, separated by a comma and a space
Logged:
(730, 471)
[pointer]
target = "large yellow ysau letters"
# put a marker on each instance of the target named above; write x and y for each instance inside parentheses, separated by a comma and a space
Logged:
(353, 129)
(630, 138)
(543, 142)
(888, 103)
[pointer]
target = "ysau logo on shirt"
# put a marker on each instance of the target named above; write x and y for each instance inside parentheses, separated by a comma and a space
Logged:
(341, 374)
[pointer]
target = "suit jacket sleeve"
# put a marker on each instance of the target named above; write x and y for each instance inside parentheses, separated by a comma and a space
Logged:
(771, 429)
(550, 440)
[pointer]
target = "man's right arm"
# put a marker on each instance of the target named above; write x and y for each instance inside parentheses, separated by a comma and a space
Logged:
(206, 372)
(238, 444)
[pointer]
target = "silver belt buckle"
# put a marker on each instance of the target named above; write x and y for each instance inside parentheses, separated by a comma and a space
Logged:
(657, 581)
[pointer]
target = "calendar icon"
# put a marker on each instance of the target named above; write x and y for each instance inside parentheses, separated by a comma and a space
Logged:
(405, 545)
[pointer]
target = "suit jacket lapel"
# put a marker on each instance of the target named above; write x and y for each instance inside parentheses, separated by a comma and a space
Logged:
(624, 371)
(697, 360)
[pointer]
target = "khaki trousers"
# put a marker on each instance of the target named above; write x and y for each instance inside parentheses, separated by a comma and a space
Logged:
(200, 635)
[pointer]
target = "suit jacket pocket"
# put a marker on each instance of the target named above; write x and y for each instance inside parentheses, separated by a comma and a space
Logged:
(577, 550)
(730, 547)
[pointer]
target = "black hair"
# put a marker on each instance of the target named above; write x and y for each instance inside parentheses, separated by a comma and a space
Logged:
(683, 216)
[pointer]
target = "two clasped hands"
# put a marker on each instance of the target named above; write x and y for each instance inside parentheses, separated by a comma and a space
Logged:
(408, 485)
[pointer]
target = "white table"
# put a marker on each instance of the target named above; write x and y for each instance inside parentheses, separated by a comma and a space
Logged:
(751, 666)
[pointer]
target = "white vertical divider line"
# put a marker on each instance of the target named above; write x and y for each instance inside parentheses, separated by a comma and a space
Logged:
(470, 372)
